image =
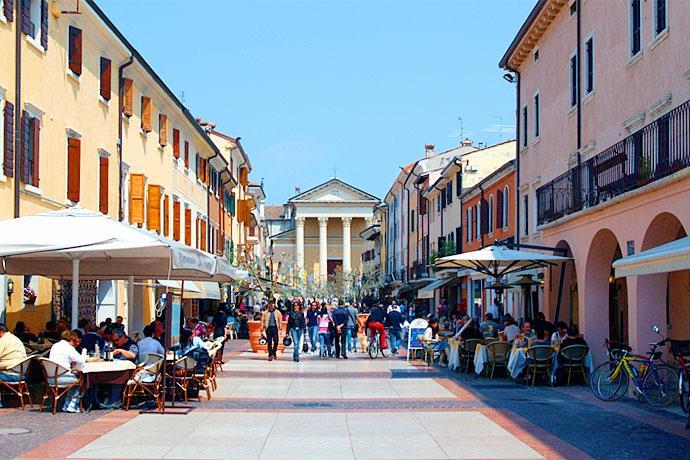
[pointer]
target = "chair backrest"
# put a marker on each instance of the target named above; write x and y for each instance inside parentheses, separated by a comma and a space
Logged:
(575, 352)
(471, 345)
(52, 370)
(186, 362)
(20, 368)
(540, 353)
(498, 348)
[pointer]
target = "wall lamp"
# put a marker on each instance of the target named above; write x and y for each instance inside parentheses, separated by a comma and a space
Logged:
(509, 77)
(10, 287)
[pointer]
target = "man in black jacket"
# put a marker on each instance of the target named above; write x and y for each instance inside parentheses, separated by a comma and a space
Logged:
(296, 327)
(394, 320)
(340, 317)
(375, 322)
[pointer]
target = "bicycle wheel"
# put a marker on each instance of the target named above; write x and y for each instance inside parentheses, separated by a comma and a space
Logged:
(373, 347)
(608, 385)
(660, 386)
(684, 391)
(386, 352)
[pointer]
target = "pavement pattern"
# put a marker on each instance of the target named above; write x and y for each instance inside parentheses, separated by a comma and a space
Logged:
(357, 408)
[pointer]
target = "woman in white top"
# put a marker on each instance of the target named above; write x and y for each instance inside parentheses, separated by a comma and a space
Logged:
(560, 334)
(65, 354)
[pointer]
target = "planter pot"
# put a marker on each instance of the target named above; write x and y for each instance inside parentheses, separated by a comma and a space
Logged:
(255, 335)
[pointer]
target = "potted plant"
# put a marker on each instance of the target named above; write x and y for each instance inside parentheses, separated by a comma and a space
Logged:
(29, 295)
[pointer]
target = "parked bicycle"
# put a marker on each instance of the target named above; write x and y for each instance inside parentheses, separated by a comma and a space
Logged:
(375, 346)
(681, 351)
(653, 379)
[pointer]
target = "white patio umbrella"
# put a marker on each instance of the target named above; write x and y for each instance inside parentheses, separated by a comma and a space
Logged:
(125, 251)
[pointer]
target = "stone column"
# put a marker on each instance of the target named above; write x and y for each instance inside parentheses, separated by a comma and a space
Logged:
(323, 248)
(299, 232)
(347, 260)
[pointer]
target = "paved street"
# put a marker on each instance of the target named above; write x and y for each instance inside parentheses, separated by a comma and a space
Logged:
(359, 408)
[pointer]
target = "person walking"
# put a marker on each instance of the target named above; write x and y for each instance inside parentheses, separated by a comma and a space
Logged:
(341, 316)
(352, 324)
(324, 332)
(296, 327)
(313, 326)
(394, 320)
(219, 321)
(271, 323)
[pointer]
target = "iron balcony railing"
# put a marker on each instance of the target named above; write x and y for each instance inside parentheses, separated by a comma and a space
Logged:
(655, 151)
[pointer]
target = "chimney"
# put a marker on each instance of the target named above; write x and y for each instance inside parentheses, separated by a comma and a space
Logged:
(298, 190)
(429, 150)
(466, 143)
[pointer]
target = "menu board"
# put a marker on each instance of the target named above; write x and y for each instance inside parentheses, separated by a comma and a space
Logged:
(173, 322)
(417, 328)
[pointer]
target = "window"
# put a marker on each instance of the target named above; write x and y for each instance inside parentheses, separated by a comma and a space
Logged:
(7, 137)
(105, 78)
(573, 80)
(478, 220)
(635, 26)
(186, 154)
(74, 50)
(34, 20)
(176, 143)
(73, 168)
(103, 184)
(153, 209)
(162, 129)
(438, 203)
(589, 65)
(525, 215)
(468, 224)
(449, 192)
(524, 126)
(412, 221)
(176, 220)
(536, 115)
(458, 183)
(573, 7)
(146, 109)
(31, 128)
(127, 97)
(536, 55)
(660, 19)
(505, 207)
(491, 214)
(187, 226)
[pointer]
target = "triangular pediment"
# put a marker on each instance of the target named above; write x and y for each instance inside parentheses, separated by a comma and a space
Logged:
(332, 191)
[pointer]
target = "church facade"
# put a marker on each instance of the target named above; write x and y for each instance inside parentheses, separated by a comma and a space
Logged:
(322, 229)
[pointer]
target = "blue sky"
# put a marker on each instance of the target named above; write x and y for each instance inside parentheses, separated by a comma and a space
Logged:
(312, 85)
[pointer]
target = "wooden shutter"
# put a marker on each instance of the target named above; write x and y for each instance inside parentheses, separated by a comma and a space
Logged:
(176, 143)
(154, 208)
(26, 17)
(162, 129)
(176, 220)
(8, 161)
(207, 172)
(8, 9)
(188, 227)
(103, 188)
(26, 144)
(244, 177)
(73, 168)
(203, 235)
(106, 78)
(36, 129)
(44, 24)
(186, 154)
(136, 198)
(127, 96)
(146, 109)
(197, 165)
(74, 51)
(485, 217)
(166, 215)
(499, 209)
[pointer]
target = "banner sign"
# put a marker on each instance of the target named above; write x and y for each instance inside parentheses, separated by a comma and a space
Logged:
(417, 328)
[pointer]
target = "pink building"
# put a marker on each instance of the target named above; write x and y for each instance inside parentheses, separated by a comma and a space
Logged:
(604, 149)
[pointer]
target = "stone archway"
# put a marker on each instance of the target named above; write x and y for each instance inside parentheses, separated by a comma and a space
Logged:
(569, 303)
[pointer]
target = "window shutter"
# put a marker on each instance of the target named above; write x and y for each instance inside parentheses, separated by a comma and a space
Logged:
(36, 128)
(166, 215)
(44, 24)
(176, 143)
(458, 183)
(232, 204)
(73, 168)
(26, 134)
(103, 189)
(127, 96)
(499, 209)
(136, 198)
(163, 129)
(8, 162)
(186, 154)
(485, 217)
(207, 172)
(26, 17)
(176, 220)
(154, 208)
(203, 235)
(8, 8)
(146, 109)
(106, 78)
(443, 199)
(75, 50)
(188, 227)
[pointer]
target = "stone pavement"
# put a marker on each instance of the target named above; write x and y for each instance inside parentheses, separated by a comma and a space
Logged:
(359, 408)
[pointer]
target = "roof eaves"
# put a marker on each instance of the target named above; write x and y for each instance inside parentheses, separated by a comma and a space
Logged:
(533, 15)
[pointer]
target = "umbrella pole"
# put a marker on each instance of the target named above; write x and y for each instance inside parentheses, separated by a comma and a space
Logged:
(560, 293)
(75, 293)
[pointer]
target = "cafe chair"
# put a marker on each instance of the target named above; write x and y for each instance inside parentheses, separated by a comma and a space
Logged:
(498, 355)
(183, 370)
(573, 360)
(428, 350)
(231, 330)
(468, 350)
(147, 380)
(52, 372)
(540, 359)
(20, 387)
(202, 380)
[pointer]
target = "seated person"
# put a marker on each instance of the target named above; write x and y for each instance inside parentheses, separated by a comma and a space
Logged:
(526, 334)
(489, 327)
(541, 338)
(21, 331)
(91, 338)
(560, 334)
(65, 354)
(510, 329)
(438, 345)
(193, 346)
(124, 349)
(572, 338)
(470, 331)
(158, 331)
(149, 345)
(12, 352)
(50, 332)
(540, 323)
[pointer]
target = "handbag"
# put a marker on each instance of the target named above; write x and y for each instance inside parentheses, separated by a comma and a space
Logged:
(287, 341)
(305, 347)
(263, 340)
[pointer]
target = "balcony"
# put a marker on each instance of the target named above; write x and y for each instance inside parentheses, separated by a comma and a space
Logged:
(655, 151)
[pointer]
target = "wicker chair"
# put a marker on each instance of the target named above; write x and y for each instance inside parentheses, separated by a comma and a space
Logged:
(147, 380)
(573, 360)
(539, 362)
(231, 330)
(52, 372)
(204, 380)
(498, 355)
(183, 370)
(428, 348)
(468, 349)
(20, 387)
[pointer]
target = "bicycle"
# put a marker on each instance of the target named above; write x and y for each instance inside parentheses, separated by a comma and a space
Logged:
(681, 351)
(656, 383)
(375, 345)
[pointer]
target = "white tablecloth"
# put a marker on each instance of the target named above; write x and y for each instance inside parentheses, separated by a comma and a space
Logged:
(518, 361)
(108, 366)
(481, 357)
(453, 354)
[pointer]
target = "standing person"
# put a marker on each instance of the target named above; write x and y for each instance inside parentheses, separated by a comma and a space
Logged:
(443, 309)
(65, 354)
(375, 321)
(313, 326)
(494, 308)
(352, 324)
(296, 326)
(341, 316)
(219, 321)
(324, 332)
(271, 323)
(394, 321)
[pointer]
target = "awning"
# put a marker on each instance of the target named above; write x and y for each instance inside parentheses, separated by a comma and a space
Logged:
(208, 290)
(415, 285)
(669, 257)
(427, 292)
(189, 286)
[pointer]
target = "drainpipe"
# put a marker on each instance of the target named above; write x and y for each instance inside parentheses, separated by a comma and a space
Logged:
(517, 157)
(579, 101)
(479, 215)
(17, 106)
(120, 78)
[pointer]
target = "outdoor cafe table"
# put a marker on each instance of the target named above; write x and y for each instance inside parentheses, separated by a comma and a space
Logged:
(453, 354)
(116, 372)
(518, 361)
(481, 357)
